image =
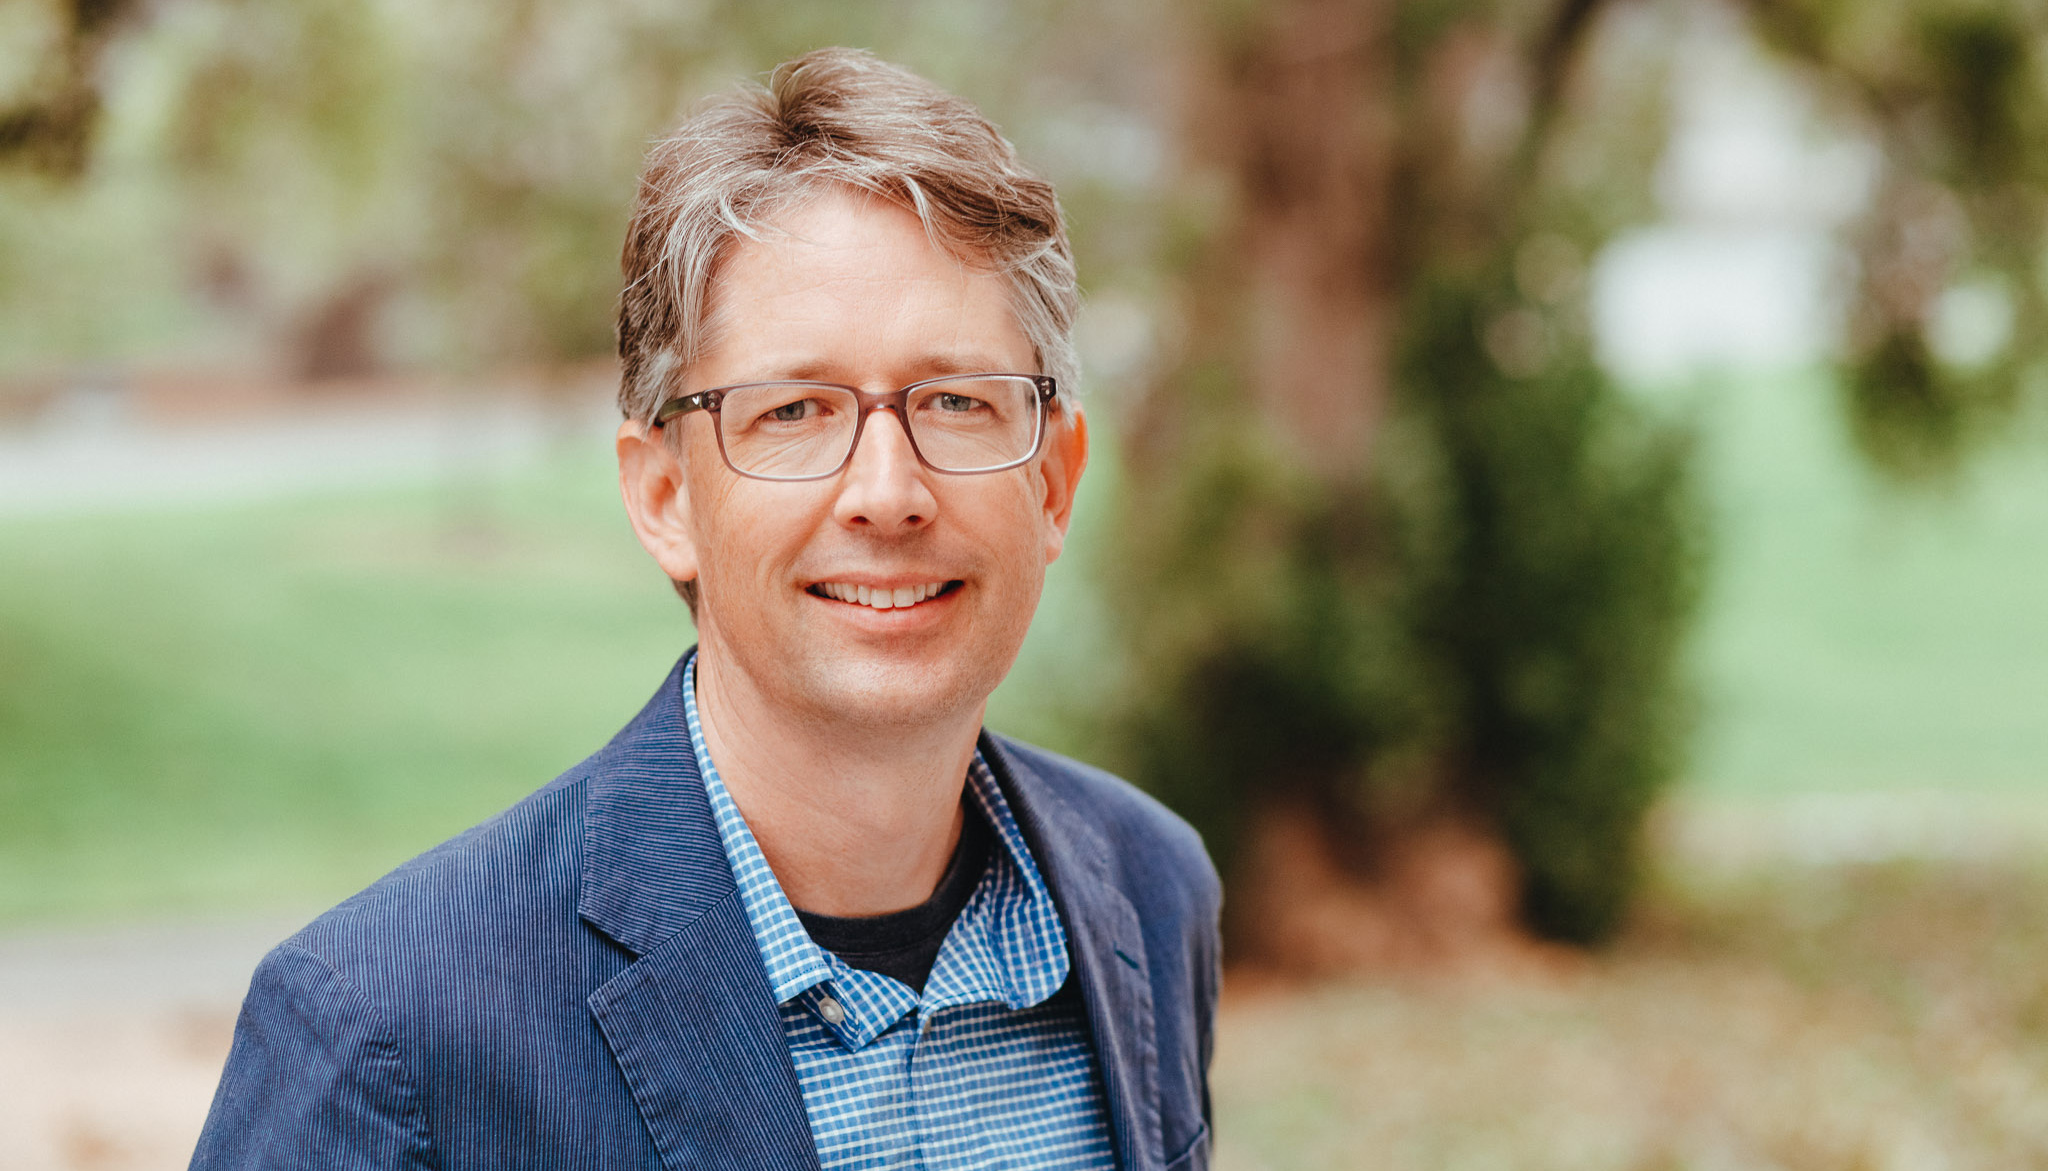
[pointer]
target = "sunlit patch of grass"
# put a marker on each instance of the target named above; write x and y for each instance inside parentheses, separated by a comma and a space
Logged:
(276, 702)
(1860, 635)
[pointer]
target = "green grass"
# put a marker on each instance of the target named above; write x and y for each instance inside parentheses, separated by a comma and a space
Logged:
(275, 703)
(1858, 636)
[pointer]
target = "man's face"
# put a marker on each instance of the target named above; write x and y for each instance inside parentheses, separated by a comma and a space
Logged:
(851, 290)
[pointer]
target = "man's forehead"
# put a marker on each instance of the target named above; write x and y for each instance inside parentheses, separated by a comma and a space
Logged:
(849, 272)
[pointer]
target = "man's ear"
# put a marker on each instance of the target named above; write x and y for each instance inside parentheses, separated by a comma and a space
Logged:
(1060, 468)
(651, 481)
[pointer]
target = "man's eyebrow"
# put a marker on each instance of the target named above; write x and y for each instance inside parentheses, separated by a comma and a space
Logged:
(963, 363)
(934, 365)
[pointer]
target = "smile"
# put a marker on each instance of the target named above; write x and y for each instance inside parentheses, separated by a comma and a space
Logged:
(882, 597)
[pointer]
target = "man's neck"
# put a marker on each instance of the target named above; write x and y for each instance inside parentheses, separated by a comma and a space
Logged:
(853, 821)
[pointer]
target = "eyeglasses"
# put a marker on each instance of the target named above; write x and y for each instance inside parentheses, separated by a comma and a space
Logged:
(960, 424)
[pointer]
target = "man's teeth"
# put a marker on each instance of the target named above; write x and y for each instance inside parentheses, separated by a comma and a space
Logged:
(879, 598)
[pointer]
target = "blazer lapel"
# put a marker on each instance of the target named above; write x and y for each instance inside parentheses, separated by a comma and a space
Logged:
(692, 1021)
(1106, 947)
(695, 1031)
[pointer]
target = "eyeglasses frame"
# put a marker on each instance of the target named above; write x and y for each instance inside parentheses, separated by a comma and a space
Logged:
(868, 403)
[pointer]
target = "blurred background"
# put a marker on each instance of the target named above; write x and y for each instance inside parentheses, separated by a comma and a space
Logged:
(1569, 524)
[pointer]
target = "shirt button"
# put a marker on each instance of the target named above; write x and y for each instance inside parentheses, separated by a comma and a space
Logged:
(831, 1010)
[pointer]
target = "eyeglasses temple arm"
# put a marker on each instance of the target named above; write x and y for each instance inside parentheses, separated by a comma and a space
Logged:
(683, 405)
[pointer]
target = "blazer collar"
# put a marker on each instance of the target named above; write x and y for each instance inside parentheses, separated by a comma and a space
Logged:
(1105, 944)
(652, 859)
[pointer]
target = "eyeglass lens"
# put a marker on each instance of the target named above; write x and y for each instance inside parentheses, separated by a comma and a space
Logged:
(959, 425)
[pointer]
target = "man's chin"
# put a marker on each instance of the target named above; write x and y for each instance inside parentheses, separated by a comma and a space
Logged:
(878, 691)
(873, 679)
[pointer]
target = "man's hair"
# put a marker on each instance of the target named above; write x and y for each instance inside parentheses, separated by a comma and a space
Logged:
(830, 118)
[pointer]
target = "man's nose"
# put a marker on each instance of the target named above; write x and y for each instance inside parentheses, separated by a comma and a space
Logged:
(884, 486)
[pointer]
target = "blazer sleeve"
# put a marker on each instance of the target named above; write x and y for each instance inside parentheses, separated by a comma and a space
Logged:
(1208, 985)
(315, 1078)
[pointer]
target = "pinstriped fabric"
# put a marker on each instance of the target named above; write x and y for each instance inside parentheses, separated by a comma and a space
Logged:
(697, 1039)
(345, 1061)
(988, 1068)
(576, 983)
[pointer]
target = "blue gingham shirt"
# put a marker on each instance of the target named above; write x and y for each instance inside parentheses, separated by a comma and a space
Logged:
(984, 1070)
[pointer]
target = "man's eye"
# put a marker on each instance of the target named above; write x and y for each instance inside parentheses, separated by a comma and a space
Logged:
(958, 402)
(795, 412)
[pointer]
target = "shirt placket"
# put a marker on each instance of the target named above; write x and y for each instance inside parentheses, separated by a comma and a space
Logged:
(909, 1059)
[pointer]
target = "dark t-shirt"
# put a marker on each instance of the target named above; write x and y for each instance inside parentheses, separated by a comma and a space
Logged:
(905, 944)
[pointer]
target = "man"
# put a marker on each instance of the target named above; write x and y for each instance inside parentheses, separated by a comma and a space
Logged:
(802, 912)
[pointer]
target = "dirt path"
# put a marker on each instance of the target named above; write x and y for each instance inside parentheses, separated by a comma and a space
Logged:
(108, 450)
(111, 1039)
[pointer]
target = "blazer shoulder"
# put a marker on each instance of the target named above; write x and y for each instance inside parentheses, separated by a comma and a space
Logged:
(515, 885)
(505, 874)
(1144, 834)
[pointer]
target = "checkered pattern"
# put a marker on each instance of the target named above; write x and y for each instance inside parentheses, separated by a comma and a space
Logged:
(985, 1070)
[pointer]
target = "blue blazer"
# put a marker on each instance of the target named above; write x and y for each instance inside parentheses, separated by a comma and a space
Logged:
(575, 984)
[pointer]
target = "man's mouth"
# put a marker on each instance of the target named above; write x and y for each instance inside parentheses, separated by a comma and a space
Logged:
(883, 597)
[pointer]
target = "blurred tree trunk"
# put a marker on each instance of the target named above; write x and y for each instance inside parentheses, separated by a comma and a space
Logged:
(1292, 102)
(1300, 108)
(1331, 497)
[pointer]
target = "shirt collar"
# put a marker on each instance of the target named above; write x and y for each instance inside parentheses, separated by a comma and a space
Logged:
(1007, 945)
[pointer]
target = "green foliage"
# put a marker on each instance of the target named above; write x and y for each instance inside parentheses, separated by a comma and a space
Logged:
(1274, 658)
(1492, 624)
(1566, 560)
(49, 114)
(336, 186)
(1950, 331)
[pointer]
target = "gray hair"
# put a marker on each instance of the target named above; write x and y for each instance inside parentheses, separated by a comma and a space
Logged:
(832, 117)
